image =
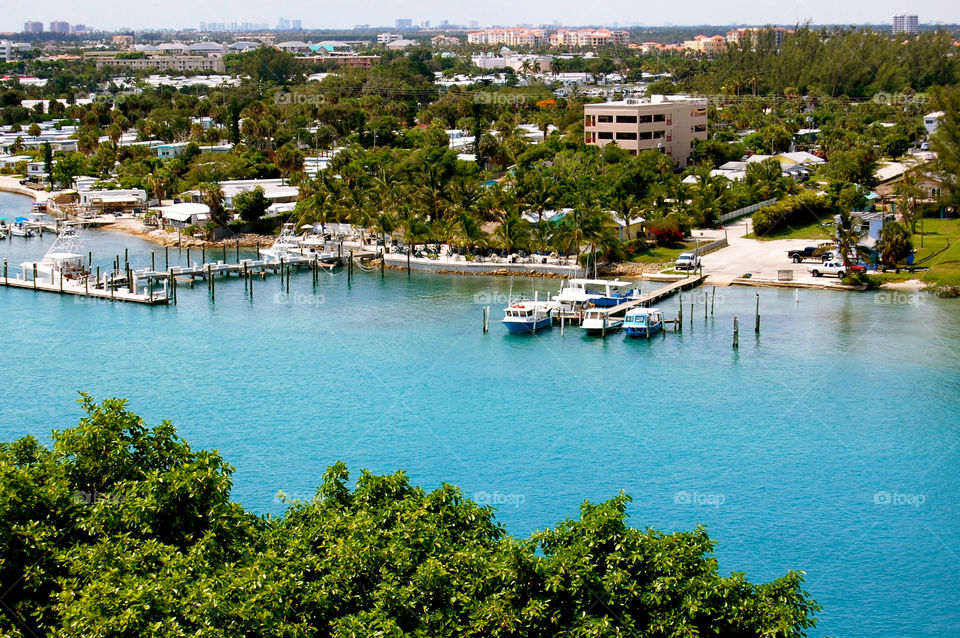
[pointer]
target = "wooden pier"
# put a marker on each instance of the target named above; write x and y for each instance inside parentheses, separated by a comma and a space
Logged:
(87, 288)
(655, 297)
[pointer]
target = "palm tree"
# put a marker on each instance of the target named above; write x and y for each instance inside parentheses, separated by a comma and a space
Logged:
(513, 233)
(212, 196)
(626, 209)
(851, 231)
(907, 191)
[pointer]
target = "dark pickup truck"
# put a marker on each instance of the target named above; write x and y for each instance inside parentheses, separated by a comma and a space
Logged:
(810, 252)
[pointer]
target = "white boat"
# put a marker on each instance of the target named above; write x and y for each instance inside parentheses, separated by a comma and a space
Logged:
(314, 243)
(20, 228)
(287, 245)
(643, 322)
(578, 294)
(63, 260)
(597, 321)
(527, 316)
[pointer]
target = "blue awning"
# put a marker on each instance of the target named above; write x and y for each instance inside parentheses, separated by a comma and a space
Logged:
(21, 219)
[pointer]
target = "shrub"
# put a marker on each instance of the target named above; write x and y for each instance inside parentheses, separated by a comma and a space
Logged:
(799, 209)
(666, 232)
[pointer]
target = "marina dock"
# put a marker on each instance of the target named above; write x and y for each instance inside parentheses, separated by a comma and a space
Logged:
(655, 297)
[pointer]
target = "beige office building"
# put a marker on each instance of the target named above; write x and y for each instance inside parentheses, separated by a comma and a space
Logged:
(667, 122)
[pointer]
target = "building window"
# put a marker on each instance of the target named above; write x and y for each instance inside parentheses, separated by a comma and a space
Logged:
(659, 117)
(658, 134)
(935, 193)
(699, 128)
(627, 136)
(605, 135)
(626, 119)
(645, 119)
(700, 113)
(646, 135)
(605, 119)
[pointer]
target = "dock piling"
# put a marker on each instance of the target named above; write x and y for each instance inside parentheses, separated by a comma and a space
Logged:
(713, 298)
(757, 326)
(153, 260)
(166, 257)
(736, 333)
(485, 312)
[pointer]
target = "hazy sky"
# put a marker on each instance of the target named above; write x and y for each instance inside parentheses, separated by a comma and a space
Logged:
(110, 14)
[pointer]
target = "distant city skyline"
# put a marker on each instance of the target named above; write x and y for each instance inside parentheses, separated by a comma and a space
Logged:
(180, 14)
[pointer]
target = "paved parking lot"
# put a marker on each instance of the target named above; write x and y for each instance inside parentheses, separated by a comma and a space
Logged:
(762, 259)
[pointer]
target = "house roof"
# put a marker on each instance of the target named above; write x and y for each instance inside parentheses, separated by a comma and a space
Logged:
(184, 211)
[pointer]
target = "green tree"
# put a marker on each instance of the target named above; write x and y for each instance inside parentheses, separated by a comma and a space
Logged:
(123, 529)
(251, 205)
(894, 244)
(67, 167)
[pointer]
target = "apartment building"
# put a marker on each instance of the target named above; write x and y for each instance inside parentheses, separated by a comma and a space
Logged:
(909, 24)
(705, 44)
(752, 34)
(588, 38)
(669, 123)
(508, 37)
(166, 62)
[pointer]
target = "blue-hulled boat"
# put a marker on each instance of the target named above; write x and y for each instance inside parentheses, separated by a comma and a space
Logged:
(643, 322)
(527, 317)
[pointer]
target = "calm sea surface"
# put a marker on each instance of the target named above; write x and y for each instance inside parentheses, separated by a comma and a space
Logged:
(829, 443)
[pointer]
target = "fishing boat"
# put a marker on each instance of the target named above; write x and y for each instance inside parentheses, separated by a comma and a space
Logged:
(314, 242)
(4, 228)
(527, 316)
(598, 321)
(577, 294)
(287, 245)
(62, 261)
(20, 228)
(643, 322)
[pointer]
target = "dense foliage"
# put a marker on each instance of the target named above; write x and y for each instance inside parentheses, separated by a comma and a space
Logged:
(121, 529)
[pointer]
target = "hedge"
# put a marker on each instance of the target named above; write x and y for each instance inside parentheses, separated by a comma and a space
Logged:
(798, 209)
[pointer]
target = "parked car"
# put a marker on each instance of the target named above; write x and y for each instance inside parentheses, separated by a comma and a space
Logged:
(810, 252)
(687, 261)
(829, 268)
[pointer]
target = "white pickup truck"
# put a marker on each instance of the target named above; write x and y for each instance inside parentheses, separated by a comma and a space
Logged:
(687, 261)
(829, 268)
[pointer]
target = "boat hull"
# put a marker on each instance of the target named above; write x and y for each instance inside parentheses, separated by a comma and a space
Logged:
(527, 327)
(643, 331)
(598, 329)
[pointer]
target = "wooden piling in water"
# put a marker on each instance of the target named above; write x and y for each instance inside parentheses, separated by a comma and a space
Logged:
(166, 257)
(756, 327)
(713, 298)
(153, 260)
(736, 333)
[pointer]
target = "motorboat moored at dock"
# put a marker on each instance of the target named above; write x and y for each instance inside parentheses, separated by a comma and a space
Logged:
(642, 322)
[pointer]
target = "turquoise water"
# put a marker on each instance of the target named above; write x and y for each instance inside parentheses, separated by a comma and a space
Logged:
(829, 443)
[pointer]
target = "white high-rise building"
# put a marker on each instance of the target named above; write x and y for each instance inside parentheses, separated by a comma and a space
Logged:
(905, 23)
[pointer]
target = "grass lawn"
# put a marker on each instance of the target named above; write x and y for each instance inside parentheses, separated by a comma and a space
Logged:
(945, 267)
(812, 231)
(661, 255)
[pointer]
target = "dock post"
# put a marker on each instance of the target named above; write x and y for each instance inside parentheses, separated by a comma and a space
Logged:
(126, 255)
(485, 314)
(153, 260)
(173, 285)
(281, 272)
(188, 256)
(258, 250)
(34, 275)
(166, 257)
(4, 271)
(603, 328)
(203, 254)
(691, 312)
(86, 285)
(679, 324)
(150, 287)
(224, 247)
(756, 328)
(89, 258)
(713, 298)
(736, 333)
(797, 291)
(561, 322)
(351, 263)
(288, 279)
(238, 251)
(213, 285)
(98, 277)
(130, 283)
(251, 286)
